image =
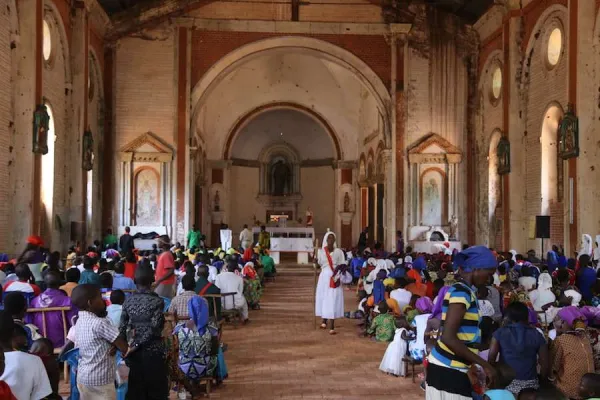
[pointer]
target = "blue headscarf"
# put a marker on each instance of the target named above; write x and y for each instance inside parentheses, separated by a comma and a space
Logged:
(476, 257)
(419, 264)
(198, 309)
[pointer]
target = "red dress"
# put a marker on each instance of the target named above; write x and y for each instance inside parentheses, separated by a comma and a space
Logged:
(130, 270)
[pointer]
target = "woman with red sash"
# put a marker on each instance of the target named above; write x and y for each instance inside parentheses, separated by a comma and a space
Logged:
(329, 303)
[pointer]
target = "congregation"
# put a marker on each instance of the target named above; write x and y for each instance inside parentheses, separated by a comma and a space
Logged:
(131, 324)
(485, 324)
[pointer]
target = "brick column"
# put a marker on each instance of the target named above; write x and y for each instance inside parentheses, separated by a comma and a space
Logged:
(24, 216)
(181, 222)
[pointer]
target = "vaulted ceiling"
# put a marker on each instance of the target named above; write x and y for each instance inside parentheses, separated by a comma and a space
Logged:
(469, 10)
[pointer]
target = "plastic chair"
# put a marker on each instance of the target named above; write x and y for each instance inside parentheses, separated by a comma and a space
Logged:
(71, 357)
(122, 388)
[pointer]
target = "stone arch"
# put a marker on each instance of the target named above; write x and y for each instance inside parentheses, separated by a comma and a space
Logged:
(495, 56)
(557, 11)
(323, 49)
(550, 171)
(248, 117)
(50, 7)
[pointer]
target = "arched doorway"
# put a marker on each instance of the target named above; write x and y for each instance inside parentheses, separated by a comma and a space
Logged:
(551, 164)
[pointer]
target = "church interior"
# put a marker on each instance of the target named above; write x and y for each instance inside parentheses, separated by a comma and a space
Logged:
(467, 118)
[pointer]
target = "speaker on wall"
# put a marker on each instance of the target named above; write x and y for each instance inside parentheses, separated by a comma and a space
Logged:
(542, 227)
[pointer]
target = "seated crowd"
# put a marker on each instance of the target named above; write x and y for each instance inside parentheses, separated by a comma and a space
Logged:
(161, 309)
(486, 324)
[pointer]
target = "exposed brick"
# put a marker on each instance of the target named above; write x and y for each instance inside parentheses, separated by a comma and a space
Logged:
(5, 123)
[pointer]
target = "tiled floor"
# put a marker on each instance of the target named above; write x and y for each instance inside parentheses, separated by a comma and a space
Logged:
(280, 354)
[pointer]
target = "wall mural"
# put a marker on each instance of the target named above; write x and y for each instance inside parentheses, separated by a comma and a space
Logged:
(146, 198)
(432, 197)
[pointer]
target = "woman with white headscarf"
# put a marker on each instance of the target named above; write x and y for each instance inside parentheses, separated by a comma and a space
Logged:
(329, 303)
(543, 295)
(586, 246)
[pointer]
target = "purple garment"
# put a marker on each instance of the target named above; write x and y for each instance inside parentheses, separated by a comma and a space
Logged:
(592, 314)
(54, 322)
(571, 314)
(436, 312)
(424, 305)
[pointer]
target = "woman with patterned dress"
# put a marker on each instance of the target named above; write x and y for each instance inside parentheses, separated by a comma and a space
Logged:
(252, 286)
(198, 344)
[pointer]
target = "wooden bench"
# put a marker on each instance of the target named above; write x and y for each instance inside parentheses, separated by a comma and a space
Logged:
(233, 313)
(63, 311)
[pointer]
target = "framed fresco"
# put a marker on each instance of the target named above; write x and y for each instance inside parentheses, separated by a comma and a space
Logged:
(568, 133)
(503, 152)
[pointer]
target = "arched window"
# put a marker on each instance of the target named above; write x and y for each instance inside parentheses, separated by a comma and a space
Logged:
(494, 185)
(48, 170)
(47, 42)
(555, 46)
(549, 172)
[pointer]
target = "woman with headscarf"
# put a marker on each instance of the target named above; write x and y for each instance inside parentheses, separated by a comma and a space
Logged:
(366, 279)
(417, 347)
(571, 354)
(198, 342)
(458, 347)
(417, 287)
(329, 303)
(32, 256)
(252, 287)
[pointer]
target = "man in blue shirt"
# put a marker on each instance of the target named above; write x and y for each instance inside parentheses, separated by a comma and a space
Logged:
(120, 281)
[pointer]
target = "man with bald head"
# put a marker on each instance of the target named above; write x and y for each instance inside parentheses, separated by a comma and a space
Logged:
(53, 297)
(204, 287)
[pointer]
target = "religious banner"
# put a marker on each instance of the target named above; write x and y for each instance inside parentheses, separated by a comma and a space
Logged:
(41, 123)
(568, 132)
(503, 152)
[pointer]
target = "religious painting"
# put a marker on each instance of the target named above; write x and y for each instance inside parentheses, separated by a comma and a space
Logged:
(503, 156)
(568, 132)
(147, 198)
(432, 197)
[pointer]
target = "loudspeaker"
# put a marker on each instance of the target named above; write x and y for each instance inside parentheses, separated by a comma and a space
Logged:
(542, 227)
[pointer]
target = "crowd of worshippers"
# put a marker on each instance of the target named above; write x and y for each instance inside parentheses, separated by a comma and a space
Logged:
(153, 316)
(486, 325)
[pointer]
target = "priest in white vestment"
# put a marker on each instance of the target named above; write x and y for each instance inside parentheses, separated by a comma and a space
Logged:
(225, 238)
(246, 237)
(329, 303)
(230, 282)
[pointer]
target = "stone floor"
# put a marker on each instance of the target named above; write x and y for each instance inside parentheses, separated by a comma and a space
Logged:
(280, 354)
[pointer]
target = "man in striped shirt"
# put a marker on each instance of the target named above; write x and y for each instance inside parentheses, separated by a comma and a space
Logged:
(457, 349)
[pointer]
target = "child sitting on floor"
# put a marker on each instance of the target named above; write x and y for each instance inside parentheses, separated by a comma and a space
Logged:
(393, 359)
(360, 312)
(383, 326)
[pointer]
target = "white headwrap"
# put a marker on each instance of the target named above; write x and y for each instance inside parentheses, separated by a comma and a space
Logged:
(380, 265)
(586, 245)
(597, 249)
(514, 255)
(408, 259)
(324, 244)
(389, 265)
(575, 295)
(545, 281)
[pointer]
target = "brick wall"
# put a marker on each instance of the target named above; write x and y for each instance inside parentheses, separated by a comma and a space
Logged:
(145, 89)
(208, 47)
(543, 86)
(5, 124)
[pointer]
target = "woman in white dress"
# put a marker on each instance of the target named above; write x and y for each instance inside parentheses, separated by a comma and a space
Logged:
(329, 303)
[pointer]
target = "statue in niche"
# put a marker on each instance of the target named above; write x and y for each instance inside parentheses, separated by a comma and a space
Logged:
(503, 152)
(88, 150)
(217, 201)
(347, 202)
(280, 179)
(41, 126)
(453, 227)
(568, 132)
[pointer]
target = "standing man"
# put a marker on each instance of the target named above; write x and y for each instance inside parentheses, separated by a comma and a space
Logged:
(165, 269)
(194, 237)
(264, 239)
(126, 242)
(225, 237)
(246, 237)
(110, 239)
(362, 239)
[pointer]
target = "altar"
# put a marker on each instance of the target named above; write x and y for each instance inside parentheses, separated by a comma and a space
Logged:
(289, 240)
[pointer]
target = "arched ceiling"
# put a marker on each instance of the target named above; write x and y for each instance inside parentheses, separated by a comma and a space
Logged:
(289, 75)
(292, 127)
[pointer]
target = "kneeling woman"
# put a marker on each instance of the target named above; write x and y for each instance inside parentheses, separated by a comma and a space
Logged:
(329, 303)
